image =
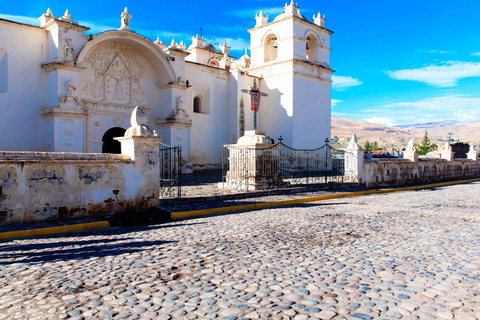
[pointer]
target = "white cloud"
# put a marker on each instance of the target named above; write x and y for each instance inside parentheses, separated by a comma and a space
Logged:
(446, 75)
(335, 102)
(21, 19)
(341, 83)
(238, 44)
(380, 120)
(449, 107)
(250, 13)
(476, 54)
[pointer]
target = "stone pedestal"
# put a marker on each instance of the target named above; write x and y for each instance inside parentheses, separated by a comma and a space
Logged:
(447, 152)
(142, 146)
(253, 164)
(472, 153)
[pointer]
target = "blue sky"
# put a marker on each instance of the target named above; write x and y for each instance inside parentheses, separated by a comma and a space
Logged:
(397, 62)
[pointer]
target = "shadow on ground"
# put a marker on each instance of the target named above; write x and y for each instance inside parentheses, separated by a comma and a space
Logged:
(74, 250)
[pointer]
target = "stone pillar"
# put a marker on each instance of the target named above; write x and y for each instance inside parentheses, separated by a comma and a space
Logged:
(177, 130)
(354, 162)
(447, 152)
(411, 153)
(142, 145)
(472, 153)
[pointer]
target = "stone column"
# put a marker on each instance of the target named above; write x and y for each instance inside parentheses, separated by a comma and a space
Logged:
(411, 153)
(472, 153)
(354, 162)
(447, 152)
(142, 145)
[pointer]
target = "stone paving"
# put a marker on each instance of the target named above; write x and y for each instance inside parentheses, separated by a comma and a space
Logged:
(405, 255)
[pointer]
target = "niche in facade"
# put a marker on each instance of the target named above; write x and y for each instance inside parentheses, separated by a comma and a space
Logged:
(312, 48)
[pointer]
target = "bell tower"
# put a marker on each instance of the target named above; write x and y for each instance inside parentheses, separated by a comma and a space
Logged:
(292, 56)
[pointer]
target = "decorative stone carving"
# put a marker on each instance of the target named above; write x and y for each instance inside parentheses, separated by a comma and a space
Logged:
(69, 133)
(70, 88)
(118, 73)
(69, 100)
(69, 52)
(139, 127)
(118, 122)
(126, 16)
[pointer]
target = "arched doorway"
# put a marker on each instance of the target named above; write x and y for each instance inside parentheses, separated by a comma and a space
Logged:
(109, 144)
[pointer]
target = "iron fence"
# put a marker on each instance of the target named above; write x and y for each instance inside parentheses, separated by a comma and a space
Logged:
(281, 166)
(170, 171)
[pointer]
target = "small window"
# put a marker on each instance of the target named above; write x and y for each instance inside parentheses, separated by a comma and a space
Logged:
(197, 104)
(3, 71)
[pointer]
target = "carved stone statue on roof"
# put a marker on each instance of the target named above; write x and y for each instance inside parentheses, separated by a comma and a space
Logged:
(126, 16)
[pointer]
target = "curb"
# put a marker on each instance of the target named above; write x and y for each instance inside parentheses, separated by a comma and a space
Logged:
(54, 230)
(263, 205)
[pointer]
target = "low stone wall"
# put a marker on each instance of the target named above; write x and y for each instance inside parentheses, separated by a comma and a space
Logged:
(36, 186)
(380, 172)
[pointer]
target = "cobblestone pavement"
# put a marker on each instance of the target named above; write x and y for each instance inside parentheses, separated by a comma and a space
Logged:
(405, 255)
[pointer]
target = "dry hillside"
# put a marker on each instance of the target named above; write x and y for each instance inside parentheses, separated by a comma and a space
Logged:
(342, 130)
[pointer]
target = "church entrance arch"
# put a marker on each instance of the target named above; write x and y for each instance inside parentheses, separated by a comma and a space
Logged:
(109, 145)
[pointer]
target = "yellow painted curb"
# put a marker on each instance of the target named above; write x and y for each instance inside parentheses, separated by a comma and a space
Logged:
(54, 230)
(262, 205)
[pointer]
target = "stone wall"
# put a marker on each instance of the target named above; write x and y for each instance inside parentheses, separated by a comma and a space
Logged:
(409, 170)
(36, 186)
(379, 173)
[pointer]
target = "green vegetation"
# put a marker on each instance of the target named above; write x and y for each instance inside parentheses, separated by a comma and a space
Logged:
(426, 146)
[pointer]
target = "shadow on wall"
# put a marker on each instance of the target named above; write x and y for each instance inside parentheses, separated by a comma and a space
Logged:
(274, 119)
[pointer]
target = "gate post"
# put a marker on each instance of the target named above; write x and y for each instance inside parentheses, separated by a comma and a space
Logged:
(141, 144)
(354, 162)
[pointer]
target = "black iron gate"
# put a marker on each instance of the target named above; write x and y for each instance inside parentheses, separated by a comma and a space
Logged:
(280, 166)
(170, 171)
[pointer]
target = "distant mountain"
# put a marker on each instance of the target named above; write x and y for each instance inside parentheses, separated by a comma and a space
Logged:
(430, 124)
(398, 136)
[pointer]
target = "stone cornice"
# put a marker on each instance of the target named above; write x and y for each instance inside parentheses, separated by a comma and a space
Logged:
(181, 86)
(64, 24)
(52, 66)
(298, 19)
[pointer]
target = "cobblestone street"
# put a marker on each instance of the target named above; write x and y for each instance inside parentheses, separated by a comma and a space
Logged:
(404, 255)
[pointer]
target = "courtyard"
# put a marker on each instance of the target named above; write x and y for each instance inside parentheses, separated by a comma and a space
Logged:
(404, 255)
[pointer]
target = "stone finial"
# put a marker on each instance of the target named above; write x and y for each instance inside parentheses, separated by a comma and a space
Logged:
(472, 153)
(411, 146)
(126, 16)
(447, 147)
(411, 152)
(354, 143)
(318, 20)
(260, 19)
(49, 13)
(173, 45)
(139, 127)
(160, 44)
(67, 16)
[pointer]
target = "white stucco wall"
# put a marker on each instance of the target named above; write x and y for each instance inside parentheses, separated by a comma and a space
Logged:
(208, 129)
(24, 51)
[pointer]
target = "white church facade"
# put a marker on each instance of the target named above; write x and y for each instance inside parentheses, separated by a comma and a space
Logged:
(63, 90)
